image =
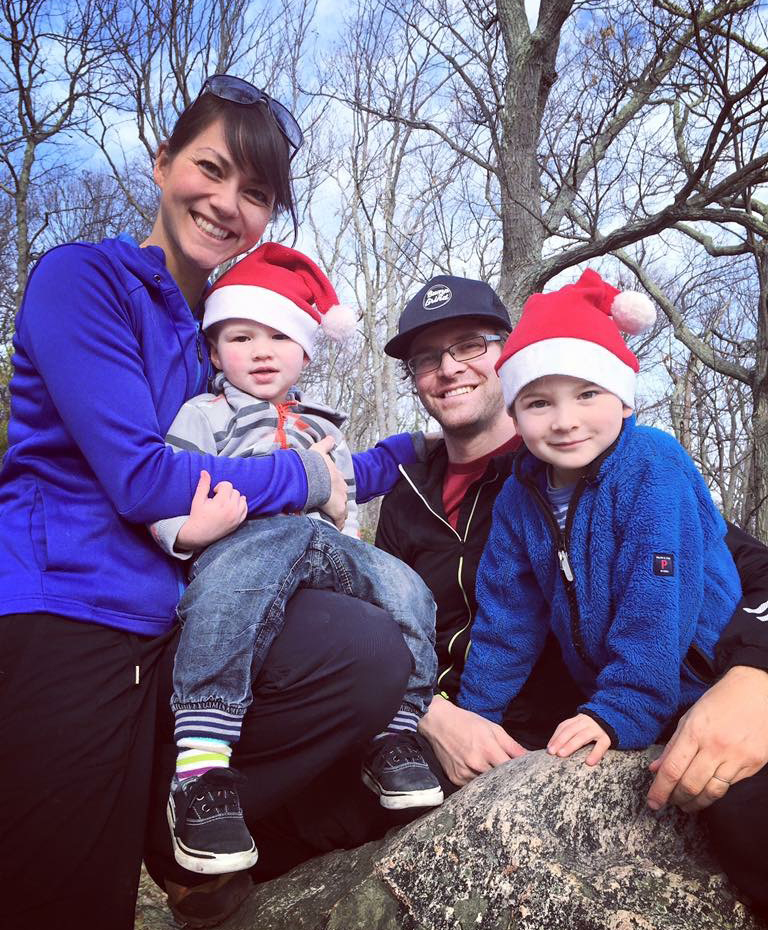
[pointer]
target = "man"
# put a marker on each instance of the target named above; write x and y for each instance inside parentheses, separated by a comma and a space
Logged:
(437, 520)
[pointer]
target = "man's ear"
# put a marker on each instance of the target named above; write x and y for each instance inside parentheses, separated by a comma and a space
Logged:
(161, 165)
(626, 411)
(306, 361)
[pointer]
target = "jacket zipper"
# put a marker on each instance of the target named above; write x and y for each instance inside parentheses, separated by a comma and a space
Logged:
(198, 336)
(561, 544)
(461, 539)
(202, 375)
(280, 437)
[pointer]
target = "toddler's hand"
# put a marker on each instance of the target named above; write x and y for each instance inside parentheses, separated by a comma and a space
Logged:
(212, 518)
(336, 505)
(576, 732)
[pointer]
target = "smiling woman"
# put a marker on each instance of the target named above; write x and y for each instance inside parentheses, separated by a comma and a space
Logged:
(107, 349)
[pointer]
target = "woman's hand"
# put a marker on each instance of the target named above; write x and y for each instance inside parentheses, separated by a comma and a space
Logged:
(211, 518)
(336, 505)
(720, 740)
(576, 732)
(466, 744)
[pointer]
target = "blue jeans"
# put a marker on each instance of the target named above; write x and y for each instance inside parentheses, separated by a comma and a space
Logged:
(235, 603)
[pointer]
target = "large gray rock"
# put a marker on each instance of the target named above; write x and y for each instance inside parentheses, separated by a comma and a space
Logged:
(537, 844)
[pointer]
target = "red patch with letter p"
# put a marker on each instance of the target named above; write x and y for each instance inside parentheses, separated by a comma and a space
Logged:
(663, 563)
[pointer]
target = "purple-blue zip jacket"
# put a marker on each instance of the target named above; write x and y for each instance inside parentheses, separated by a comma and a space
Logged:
(106, 352)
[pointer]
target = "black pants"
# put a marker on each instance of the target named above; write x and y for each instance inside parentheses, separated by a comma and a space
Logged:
(738, 827)
(337, 812)
(85, 752)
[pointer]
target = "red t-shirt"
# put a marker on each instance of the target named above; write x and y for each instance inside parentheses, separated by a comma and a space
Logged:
(459, 477)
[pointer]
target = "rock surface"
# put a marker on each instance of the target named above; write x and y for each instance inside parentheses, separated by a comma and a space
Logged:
(537, 844)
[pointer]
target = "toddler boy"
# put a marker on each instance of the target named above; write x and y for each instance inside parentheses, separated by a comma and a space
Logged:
(262, 318)
(605, 533)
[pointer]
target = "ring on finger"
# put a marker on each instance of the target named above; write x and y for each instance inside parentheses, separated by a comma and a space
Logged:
(719, 778)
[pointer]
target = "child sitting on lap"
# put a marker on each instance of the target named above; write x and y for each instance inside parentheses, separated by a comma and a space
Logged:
(605, 533)
(261, 320)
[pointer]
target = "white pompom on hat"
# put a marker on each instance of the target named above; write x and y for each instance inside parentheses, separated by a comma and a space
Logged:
(282, 288)
(576, 331)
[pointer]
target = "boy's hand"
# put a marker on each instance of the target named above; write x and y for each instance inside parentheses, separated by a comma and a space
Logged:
(336, 505)
(211, 518)
(576, 732)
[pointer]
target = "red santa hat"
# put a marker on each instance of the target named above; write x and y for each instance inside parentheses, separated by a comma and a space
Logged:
(576, 331)
(281, 288)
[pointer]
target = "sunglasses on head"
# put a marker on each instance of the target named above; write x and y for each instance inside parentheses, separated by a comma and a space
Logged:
(236, 90)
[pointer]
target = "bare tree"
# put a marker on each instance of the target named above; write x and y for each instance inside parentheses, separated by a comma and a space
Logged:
(556, 147)
(389, 231)
(55, 61)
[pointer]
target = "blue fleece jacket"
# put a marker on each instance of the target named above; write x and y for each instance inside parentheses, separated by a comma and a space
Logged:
(653, 584)
(106, 352)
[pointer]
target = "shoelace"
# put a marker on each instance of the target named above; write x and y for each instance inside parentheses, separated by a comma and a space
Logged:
(211, 793)
(221, 799)
(404, 750)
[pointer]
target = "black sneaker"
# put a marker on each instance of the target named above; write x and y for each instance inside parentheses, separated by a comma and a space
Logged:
(207, 827)
(395, 770)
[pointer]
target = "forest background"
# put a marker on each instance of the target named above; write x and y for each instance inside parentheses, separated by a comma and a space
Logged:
(494, 140)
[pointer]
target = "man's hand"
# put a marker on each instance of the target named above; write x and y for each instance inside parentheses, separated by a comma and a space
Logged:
(466, 744)
(211, 518)
(336, 505)
(576, 732)
(720, 740)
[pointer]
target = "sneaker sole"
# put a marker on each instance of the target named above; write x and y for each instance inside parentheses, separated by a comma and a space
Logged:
(208, 863)
(395, 801)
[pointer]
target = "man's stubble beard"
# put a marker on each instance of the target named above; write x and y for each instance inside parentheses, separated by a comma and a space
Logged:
(485, 420)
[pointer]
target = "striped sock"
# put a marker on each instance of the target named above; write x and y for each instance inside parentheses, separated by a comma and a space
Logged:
(207, 723)
(200, 755)
(404, 721)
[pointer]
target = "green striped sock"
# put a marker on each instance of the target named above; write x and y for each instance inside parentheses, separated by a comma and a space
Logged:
(198, 756)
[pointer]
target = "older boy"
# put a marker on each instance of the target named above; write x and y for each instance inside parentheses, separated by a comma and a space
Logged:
(605, 533)
(262, 318)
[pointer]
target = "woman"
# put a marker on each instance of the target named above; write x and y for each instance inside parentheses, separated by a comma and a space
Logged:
(107, 348)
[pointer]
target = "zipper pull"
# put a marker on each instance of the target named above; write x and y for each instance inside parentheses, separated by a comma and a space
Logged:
(565, 565)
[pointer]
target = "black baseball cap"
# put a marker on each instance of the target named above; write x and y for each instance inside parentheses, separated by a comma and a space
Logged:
(446, 298)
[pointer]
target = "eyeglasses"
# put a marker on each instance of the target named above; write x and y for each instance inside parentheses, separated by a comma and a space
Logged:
(235, 89)
(469, 348)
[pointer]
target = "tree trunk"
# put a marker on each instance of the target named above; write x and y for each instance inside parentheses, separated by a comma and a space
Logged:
(760, 402)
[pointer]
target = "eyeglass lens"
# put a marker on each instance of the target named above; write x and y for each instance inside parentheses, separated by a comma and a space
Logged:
(460, 352)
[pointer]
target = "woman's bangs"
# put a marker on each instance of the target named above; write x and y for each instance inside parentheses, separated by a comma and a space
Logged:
(259, 148)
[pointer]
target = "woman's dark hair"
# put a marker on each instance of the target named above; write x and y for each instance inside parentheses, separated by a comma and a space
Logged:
(253, 138)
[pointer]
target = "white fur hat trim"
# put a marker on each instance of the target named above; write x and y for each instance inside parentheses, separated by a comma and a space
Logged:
(578, 358)
(261, 305)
